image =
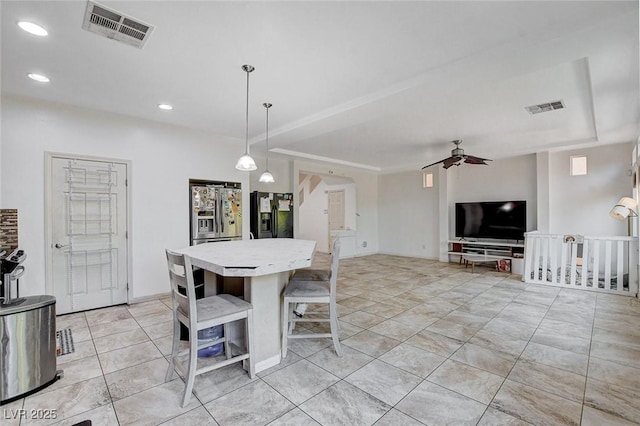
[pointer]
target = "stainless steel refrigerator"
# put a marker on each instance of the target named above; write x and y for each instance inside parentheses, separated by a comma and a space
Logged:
(215, 211)
(271, 215)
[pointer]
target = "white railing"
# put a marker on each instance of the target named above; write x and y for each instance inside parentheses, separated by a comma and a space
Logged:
(604, 264)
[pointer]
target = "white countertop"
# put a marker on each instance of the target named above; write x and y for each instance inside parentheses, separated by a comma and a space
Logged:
(249, 258)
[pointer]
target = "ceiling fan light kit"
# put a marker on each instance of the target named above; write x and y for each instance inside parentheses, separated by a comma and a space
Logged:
(458, 157)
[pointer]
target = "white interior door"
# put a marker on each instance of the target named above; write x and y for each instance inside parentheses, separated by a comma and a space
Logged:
(87, 247)
(336, 213)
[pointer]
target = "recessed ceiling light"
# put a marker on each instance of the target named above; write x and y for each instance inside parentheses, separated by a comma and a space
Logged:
(165, 106)
(32, 28)
(38, 77)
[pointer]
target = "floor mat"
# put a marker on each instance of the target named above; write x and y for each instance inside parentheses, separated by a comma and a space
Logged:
(65, 342)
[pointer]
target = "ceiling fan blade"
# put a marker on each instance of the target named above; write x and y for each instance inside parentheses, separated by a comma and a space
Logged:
(448, 162)
(433, 164)
(470, 159)
(457, 156)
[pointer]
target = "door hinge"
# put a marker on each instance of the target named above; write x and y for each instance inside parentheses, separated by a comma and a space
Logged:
(127, 286)
(126, 182)
(126, 235)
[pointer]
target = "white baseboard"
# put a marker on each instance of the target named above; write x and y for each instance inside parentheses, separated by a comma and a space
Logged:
(267, 363)
(149, 298)
(389, 253)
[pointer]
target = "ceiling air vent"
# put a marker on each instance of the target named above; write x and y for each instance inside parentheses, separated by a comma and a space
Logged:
(549, 106)
(115, 25)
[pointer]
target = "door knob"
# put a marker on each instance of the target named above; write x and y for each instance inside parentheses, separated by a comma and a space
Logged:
(59, 246)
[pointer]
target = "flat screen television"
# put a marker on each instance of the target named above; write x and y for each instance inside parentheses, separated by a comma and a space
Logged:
(502, 220)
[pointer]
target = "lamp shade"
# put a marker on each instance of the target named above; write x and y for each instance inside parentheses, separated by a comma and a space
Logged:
(628, 202)
(246, 163)
(623, 208)
(266, 177)
(619, 212)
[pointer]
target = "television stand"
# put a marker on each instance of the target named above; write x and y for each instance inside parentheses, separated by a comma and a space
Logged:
(479, 258)
(488, 251)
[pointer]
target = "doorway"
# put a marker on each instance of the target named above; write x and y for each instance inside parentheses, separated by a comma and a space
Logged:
(86, 249)
(325, 203)
(336, 212)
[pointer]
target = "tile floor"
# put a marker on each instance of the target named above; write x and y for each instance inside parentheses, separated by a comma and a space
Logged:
(424, 343)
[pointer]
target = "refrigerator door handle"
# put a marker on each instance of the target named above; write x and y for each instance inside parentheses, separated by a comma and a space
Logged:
(221, 218)
(274, 215)
(216, 219)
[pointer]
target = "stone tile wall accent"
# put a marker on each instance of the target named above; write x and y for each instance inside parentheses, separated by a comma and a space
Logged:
(8, 229)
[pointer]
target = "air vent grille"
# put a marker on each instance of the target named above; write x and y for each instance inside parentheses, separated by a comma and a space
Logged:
(549, 106)
(116, 26)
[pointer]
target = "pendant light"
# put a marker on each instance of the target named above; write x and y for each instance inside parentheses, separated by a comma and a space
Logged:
(266, 176)
(246, 163)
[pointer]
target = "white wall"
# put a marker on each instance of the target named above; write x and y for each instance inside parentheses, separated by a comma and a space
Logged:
(1, 160)
(544, 188)
(394, 213)
(409, 224)
(502, 180)
(411, 217)
(566, 204)
(366, 188)
(163, 159)
(581, 204)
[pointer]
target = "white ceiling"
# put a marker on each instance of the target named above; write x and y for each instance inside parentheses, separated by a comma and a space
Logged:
(385, 85)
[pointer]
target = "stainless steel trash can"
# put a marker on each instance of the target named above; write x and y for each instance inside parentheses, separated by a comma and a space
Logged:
(27, 346)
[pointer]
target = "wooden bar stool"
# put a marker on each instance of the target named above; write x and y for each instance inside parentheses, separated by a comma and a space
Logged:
(312, 291)
(202, 314)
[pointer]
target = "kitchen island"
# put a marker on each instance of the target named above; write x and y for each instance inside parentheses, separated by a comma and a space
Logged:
(265, 265)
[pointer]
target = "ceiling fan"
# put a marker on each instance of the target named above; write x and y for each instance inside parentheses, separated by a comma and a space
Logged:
(457, 157)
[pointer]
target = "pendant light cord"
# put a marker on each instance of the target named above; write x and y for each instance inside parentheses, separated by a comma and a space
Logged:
(246, 138)
(267, 138)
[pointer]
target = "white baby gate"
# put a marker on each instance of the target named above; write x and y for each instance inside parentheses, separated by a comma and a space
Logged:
(604, 264)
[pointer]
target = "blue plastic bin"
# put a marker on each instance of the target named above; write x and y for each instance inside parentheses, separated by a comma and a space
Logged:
(209, 335)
